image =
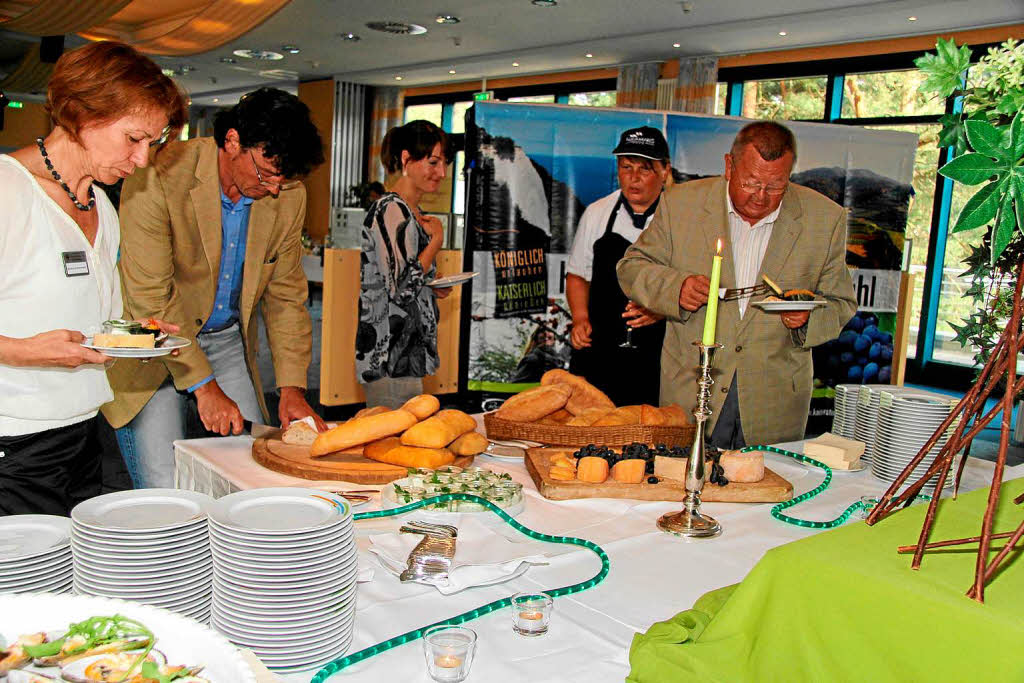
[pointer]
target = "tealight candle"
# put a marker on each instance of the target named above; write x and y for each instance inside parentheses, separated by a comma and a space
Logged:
(531, 614)
(449, 652)
(448, 661)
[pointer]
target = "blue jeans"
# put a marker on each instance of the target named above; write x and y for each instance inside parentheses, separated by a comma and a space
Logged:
(147, 442)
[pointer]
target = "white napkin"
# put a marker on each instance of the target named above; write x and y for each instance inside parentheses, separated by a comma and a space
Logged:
(482, 557)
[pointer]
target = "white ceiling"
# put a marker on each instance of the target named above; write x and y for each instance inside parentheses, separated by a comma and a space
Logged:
(494, 33)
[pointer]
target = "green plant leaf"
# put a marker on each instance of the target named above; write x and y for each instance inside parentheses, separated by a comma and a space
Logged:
(1005, 224)
(952, 133)
(1016, 189)
(1017, 136)
(981, 207)
(986, 139)
(1011, 102)
(971, 169)
(944, 68)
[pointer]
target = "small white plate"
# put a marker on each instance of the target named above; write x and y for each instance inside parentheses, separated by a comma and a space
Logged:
(787, 306)
(170, 344)
(301, 539)
(144, 510)
(280, 511)
(452, 280)
(28, 536)
(298, 566)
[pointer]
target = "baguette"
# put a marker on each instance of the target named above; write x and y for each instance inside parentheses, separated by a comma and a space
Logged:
(626, 415)
(409, 456)
(375, 410)
(470, 443)
(422, 406)
(299, 434)
(533, 404)
(584, 394)
(362, 430)
(588, 417)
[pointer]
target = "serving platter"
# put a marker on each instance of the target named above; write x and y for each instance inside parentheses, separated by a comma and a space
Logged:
(787, 306)
(452, 280)
(171, 343)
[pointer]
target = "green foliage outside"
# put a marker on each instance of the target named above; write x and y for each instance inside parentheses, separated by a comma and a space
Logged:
(791, 99)
(605, 98)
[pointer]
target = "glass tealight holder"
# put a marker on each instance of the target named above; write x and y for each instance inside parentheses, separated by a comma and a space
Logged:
(449, 652)
(531, 613)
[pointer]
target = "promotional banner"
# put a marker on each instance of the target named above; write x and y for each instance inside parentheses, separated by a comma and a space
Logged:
(535, 168)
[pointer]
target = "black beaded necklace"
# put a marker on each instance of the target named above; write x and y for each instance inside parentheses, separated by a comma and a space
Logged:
(56, 176)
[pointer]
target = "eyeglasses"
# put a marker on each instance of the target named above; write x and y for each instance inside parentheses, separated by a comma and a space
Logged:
(757, 188)
(268, 183)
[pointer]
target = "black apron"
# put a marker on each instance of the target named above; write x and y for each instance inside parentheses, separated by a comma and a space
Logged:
(627, 376)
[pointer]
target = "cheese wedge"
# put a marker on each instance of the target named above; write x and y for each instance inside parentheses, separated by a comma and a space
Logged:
(835, 451)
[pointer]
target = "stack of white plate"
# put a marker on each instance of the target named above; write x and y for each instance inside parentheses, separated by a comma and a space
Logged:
(906, 420)
(149, 545)
(35, 553)
(845, 418)
(284, 575)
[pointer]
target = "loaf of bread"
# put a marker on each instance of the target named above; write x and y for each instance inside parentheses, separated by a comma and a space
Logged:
(470, 443)
(533, 404)
(410, 456)
(375, 449)
(649, 415)
(584, 394)
(559, 417)
(431, 433)
(626, 415)
(422, 406)
(362, 430)
(375, 410)
(674, 416)
(459, 421)
(299, 434)
(588, 417)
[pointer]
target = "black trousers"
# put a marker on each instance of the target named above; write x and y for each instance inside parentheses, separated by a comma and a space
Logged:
(50, 472)
(728, 431)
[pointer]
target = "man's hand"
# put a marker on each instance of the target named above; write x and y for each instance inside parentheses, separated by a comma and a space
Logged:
(694, 292)
(580, 336)
(638, 316)
(165, 327)
(218, 412)
(53, 349)
(293, 406)
(794, 320)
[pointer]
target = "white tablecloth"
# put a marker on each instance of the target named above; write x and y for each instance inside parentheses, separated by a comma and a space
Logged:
(653, 575)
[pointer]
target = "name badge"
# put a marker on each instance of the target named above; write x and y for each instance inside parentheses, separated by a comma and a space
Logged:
(75, 263)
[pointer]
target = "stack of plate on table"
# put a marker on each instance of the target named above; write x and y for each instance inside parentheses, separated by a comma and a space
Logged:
(35, 553)
(149, 545)
(845, 418)
(284, 575)
(866, 412)
(906, 420)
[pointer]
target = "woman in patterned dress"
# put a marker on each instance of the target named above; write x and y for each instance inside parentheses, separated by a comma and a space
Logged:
(396, 344)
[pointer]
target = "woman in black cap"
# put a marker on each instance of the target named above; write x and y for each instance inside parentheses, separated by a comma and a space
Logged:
(616, 343)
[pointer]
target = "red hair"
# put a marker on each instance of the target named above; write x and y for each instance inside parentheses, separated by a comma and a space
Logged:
(104, 81)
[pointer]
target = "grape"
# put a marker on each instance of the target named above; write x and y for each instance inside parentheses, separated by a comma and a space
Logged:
(847, 338)
(886, 354)
(885, 374)
(870, 372)
(855, 324)
(854, 373)
(863, 343)
(875, 351)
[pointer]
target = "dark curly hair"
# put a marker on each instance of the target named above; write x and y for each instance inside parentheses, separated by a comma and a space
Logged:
(279, 123)
(418, 138)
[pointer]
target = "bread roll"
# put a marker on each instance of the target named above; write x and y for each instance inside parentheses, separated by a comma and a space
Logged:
(410, 456)
(375, 410)
(626, 415)
(559, 417)
(431, 433)
(649, 415)
(422, 406)
(470, 443)
(362, 430)
(589, 417)
(675, 416)
(584, 394)
(375, 449)
(299, 434)
(459, 421)
(533, 404)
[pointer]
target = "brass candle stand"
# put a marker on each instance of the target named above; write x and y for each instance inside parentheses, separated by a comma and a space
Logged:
(689, 521)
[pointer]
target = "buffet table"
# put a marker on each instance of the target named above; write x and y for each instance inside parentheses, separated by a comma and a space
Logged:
(653, 575)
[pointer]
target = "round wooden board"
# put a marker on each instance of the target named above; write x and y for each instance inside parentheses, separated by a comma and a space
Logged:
(296, 461)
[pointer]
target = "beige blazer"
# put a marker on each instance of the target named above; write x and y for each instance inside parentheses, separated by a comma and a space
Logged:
(807, 250)
(170, 260)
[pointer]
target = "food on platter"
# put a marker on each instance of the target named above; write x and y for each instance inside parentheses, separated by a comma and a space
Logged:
(668, 467)
(408, 456)
(129, 334)
(478, 481)
(300, 434)
(584, 394)
(101, 649)
(124, 341)
(439, 430)
(470, 443)
(592, 469)
(835, 451)
(629, 471)
(632, 465)
(533, 404)
(422, 406)
(741, 467)
(362, 430)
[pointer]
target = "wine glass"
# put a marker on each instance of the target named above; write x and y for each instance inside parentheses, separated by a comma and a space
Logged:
(628, 344)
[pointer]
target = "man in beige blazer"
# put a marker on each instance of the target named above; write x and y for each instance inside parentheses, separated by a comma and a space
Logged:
(795, 236)
(211, 229)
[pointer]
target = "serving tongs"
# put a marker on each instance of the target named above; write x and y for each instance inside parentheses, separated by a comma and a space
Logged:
(431, 559)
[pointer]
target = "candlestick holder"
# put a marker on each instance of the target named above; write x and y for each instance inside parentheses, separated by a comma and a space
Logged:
(690, 521)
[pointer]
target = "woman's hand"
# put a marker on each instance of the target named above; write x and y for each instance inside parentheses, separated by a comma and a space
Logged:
(433, 227)
(638, 316)
(53, 349)
(442, 292)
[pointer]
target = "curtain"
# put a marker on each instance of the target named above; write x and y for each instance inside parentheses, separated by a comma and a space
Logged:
(637, 86)
(387, 113)
(695, 85)
(57, 17)
(31, 75)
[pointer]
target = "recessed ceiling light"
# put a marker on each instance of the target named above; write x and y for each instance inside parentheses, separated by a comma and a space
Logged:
(544, 3)
(216, 99)
(398, 28)
(676, 45)
(291, 49)
(451, 71)
(349, 36)
(911, 18)
(447, 19)
(398, 78)
(264, 55)
(589, 55)
(515, 63)
(228, 60)
(782, 33)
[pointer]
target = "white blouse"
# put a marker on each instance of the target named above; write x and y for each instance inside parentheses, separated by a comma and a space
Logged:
(39, 246)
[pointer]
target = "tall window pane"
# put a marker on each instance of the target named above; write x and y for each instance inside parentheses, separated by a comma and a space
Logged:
(459, 116)
(602, 98)
(427, 112)
(888, 93)
(788, 98)
(721, 90)
(532, 98)
(459, 183)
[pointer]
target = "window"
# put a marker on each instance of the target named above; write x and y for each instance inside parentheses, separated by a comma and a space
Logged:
(602, 98)
(788, 98)
(887, 93)
(532, 98)
(721, 92)
(427, 112)
(459, 116)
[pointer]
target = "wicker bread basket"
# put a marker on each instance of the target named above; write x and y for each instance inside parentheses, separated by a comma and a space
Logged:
(562, 435)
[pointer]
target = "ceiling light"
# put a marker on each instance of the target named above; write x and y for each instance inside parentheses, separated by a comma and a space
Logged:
(447, 19)
(291, 49)
(911, 18)
(544, 3)
(216, 99)
(349, 36)
(515, 63)
(264, 55)
(782, 33)
(398, 78)
(228, 60)
(676, 45)
(589, 55)
(398, 28)
(451, 71)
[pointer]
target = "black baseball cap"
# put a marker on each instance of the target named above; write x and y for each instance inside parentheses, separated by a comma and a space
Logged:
(644, 142)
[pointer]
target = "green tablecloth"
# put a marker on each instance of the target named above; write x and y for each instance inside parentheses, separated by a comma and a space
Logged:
(843, 606)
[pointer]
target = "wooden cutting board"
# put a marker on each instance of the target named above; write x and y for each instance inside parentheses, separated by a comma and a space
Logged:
(771, 489)
(286, 458)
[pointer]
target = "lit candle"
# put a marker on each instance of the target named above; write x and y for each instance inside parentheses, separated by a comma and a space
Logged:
(711, 314)
(448, 661)
(532, 616)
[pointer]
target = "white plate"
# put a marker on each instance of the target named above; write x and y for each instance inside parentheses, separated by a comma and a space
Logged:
(311, 662)
(186, 535)
(183, 640)
(280, 511)
(273, 585)
(48, 565)
(302, 539)
(859, 468)
(196, 585)
(293, 648)
(284, 633)
(273, 612)
(786, 306)
(29, 536)
(290, 569)
(155, 580)
(300, 596)
(145, 510)
(40, 585)
(170, 344)
(265, 579)
(503, 452)
(452, 280)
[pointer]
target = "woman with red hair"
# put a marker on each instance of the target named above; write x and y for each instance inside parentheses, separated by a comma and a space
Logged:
(59, 240)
